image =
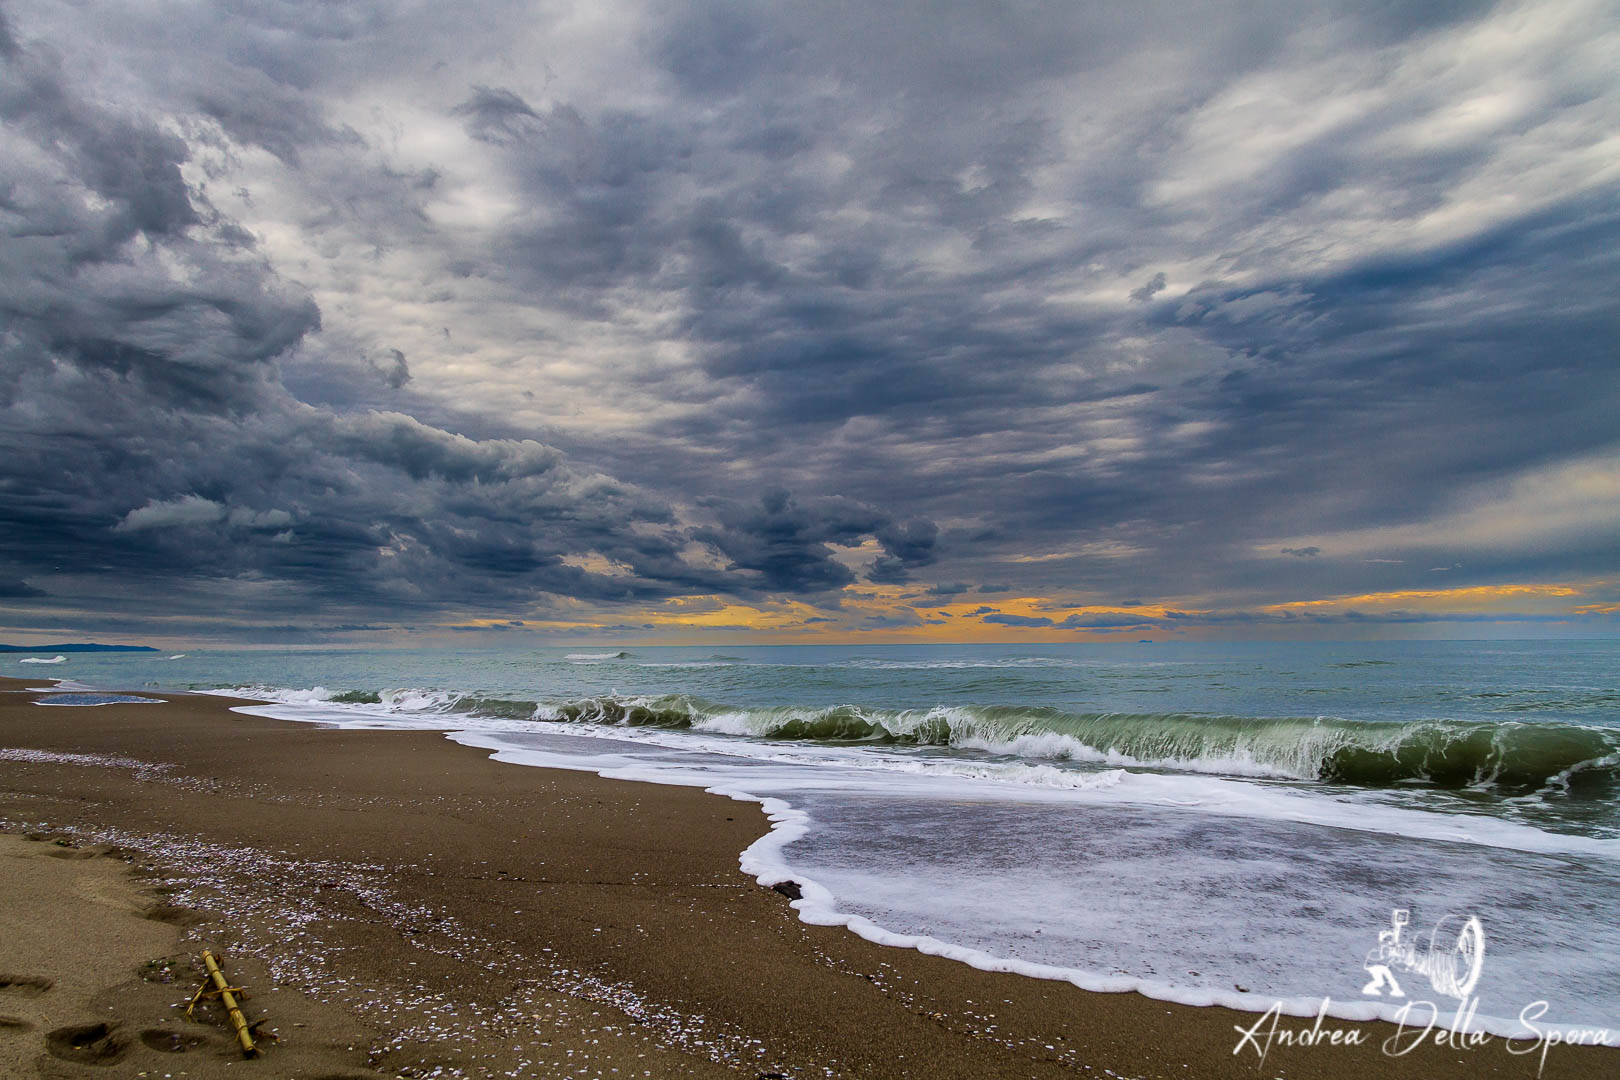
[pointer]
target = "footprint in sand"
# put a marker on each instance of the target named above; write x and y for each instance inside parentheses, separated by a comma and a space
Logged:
(24, 985)
(87, 1044)
(176, 916)
(60, 847)
(72, 852)
(20, 986)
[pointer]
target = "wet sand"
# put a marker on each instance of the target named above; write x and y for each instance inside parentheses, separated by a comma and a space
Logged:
(403, 906)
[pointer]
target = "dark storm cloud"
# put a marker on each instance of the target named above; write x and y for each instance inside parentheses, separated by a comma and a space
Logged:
(395, 372)
(1149, 289)
(498, 116)
(1252, 396)
(1106, 622)
(814, 348)
(998, 619)
(149, 439)
(783, 545)
(907, 546)
(1038, 296)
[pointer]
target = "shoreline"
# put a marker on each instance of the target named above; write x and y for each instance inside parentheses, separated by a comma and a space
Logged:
(764, 862)
(616, 909)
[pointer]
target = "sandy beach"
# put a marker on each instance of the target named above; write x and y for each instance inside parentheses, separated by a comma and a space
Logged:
(398, 905)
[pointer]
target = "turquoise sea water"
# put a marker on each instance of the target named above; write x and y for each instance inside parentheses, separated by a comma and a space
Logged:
(1208, 823)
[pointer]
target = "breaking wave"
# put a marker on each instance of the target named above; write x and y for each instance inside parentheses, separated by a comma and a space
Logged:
(1444, 753)
(1510, 757)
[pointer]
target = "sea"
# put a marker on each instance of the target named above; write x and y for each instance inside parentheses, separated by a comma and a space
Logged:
(1252, 825)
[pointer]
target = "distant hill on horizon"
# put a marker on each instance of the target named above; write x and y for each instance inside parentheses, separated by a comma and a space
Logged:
(82, 646)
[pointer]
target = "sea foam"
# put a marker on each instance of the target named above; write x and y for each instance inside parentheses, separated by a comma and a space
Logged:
(966, 859)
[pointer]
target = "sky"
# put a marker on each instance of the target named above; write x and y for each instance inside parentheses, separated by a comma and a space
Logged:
(776, 322)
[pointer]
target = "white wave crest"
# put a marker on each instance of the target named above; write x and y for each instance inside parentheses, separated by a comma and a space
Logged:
(736, 722)
(415, 701)
(286, 695)
(1056, 746)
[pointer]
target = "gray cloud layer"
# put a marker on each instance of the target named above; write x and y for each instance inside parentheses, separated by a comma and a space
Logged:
(1235, 306)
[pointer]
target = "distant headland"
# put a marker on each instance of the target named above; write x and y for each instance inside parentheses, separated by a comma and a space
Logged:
(82, 646)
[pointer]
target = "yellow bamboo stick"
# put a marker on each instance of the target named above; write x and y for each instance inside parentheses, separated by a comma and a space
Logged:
(238, 1021)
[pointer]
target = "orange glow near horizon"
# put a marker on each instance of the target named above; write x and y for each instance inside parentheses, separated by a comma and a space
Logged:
(1469, 596)
(898, 614)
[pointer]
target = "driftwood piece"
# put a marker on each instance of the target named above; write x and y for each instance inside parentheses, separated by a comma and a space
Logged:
(226, 994)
